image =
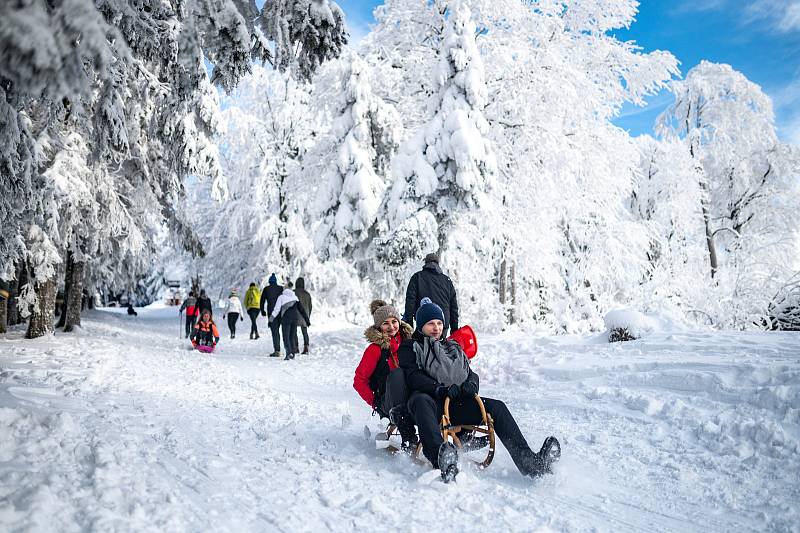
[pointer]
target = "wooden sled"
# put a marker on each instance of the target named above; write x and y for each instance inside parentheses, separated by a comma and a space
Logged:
(450, 433)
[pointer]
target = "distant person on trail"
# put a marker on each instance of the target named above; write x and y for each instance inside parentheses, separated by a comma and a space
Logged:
(190, 305)
(204, 303)
(431, 282)
(305, 299)
(233, 309)
(269, 296)
(435, 370)
(205, 331)
(291, 311)
(131, 310)
(378, 378)
(252, 301)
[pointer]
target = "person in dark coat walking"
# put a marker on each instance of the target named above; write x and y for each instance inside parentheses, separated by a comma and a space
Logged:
(204, 303)
(291, 312)
(269, 296)
(305, 299)
(437, 369)
(431, 282)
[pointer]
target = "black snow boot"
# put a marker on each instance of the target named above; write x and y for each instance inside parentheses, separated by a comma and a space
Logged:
(550, 453)
(448, 461)
(542, 462)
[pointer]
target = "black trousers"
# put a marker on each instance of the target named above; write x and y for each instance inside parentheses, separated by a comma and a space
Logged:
(304, 330)
(427, 413)
(190, 320)
(275, 329)
(289, 331)
(396, 392)
(253, 314)
(232, 318)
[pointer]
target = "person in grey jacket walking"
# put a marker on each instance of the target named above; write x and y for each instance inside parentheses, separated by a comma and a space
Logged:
(305, 299)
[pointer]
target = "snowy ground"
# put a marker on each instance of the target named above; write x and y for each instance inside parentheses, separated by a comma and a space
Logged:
(120, 427)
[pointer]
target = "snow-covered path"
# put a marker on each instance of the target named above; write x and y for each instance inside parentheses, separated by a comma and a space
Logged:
(120, 427)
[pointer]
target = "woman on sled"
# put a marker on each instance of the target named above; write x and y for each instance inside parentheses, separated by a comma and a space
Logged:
(436, 369)
(205, 332)
(378, 378)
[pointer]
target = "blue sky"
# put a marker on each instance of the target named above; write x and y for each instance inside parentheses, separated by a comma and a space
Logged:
(760, 38)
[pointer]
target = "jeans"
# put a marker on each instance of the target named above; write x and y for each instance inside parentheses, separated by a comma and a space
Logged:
(275, 328)
(289, 331)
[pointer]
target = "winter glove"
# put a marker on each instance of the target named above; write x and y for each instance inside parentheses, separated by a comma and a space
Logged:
(216, 340)
(264, 313)
(241, 319)
(453, 391)
(469, 388)
(441, 392)
(223, 316)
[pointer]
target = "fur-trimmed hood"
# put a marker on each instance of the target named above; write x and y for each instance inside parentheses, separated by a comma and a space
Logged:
(376, 336)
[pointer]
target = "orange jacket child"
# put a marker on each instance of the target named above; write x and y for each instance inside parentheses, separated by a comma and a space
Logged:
(205, 331)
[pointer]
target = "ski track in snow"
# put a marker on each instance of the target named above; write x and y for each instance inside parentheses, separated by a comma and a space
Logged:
(121, 427)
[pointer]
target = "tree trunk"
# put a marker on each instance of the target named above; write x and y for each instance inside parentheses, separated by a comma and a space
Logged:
(502, 285)
(41, 322)
(13, 309)
(513, 276)
(712, 250)
(74, 297)
(62, 317)
(4, 294)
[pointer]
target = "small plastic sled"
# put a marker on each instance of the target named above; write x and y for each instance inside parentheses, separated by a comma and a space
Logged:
(204, 348)
(450, 432)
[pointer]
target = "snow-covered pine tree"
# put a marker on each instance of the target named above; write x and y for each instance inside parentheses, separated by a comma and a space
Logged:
(447, 167)
(355, 160)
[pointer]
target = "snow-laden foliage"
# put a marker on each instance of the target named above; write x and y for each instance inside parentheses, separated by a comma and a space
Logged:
(305, 32)
(106, 107)
(748, 181)
(355, 157)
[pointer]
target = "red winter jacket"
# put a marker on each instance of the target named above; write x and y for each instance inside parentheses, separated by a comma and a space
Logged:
(369, 361)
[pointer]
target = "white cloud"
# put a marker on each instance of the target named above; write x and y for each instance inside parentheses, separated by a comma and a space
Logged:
(781, 15)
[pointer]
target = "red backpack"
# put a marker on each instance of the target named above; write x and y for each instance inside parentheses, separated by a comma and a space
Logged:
(465, 337)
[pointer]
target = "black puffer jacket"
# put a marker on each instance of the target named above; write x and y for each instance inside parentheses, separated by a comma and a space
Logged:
(432, 283)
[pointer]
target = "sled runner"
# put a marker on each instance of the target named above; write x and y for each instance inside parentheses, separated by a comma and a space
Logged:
(474, 435)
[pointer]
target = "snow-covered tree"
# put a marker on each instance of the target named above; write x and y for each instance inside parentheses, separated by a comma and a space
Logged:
(364, 136)
(748, 179)
(305, 33)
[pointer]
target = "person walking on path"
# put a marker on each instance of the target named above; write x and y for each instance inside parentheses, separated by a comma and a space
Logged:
(431, 282)
(190, 305)
(269, 297)
(204, 303)
(305, 299)
(291, 311)
(252, 301)
(233, 310)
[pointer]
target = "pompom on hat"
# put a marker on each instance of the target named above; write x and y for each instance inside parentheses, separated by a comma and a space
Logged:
(428, 311)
